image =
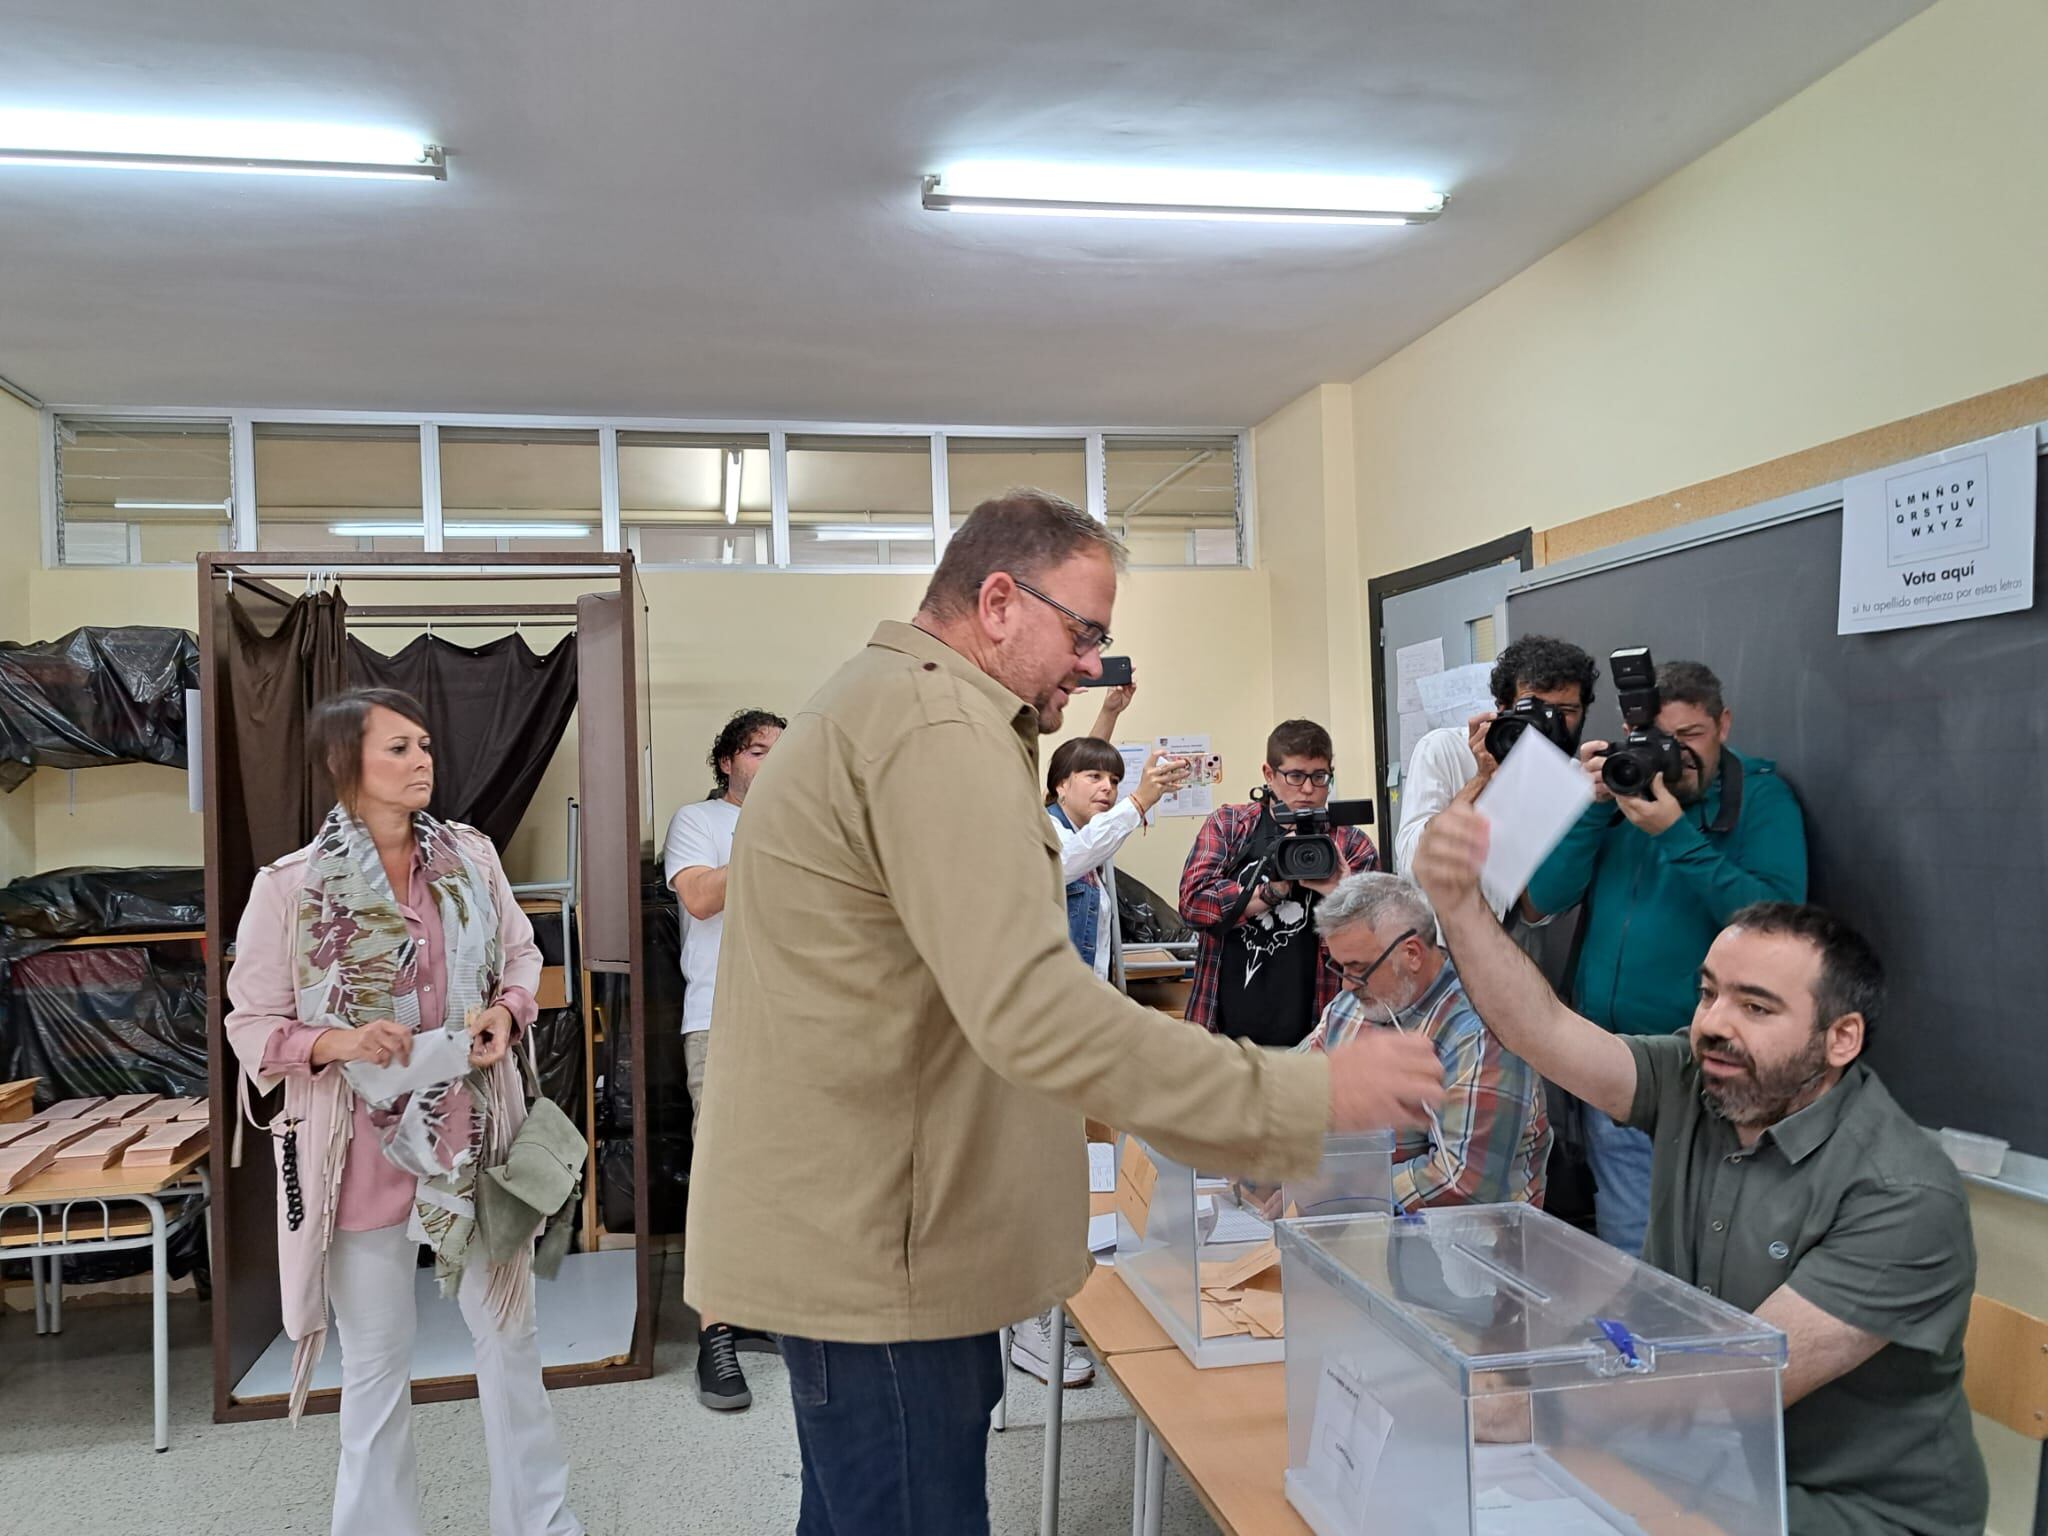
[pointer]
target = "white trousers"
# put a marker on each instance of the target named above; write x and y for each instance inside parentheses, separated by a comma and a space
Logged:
(376, 1490)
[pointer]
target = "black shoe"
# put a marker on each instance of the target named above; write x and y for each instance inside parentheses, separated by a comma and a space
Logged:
(752, 1341)
(721, 1384)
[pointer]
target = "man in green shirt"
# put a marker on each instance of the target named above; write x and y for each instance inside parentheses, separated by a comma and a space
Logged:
(1785, 1180)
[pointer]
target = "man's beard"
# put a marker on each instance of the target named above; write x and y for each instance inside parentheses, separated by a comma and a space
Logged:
(1768, 1094)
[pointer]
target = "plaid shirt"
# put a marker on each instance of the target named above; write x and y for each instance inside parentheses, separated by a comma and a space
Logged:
(1210, 892)
(1491, 1138)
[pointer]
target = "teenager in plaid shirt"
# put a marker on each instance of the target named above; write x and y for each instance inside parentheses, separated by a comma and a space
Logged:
(1261, 974)
(1489, 1140)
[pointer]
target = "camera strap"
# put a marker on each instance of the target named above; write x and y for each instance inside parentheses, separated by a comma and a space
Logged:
(1731, 794)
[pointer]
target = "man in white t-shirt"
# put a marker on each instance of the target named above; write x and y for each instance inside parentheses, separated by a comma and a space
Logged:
(694, 860)
(1453, 764)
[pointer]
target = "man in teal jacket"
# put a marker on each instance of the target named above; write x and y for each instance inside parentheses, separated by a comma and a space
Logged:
(1659, 879)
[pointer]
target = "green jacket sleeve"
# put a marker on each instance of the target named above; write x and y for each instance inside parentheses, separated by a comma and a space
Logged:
(1764, 861)
(1562, 880)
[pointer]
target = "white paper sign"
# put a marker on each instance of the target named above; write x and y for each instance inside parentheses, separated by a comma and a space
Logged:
(1529, 804)
(1948, 536)
(1346, 1440)
(1196, 799)
(1411, 664)
(1454, 697)
(1414, 726)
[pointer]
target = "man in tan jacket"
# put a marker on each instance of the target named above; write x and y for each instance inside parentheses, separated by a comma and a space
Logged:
(891, 1165)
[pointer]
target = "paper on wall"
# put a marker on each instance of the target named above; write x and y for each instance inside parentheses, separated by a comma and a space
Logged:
(1196, 799)
(1412, 663)
(1414, 726)
(1529, 805)
(1101, 1168)
(1454, 697)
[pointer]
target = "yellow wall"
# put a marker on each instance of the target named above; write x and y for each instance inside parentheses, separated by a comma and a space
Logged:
(718, 641)
(20, 554)
(1868, 251)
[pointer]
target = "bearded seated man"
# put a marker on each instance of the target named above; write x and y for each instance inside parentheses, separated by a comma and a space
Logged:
(1785, 1180)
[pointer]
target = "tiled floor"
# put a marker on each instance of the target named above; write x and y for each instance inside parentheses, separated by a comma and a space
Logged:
(647, 1458)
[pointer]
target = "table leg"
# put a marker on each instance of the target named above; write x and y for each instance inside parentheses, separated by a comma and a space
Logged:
(159, 1279)
(1155, 1485)
(1142, 1445)
(1055, 1418)
(1000, 1419)
(53, 1282)
(35, 1291)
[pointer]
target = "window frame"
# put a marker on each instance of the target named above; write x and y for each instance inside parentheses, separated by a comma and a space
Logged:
(242, 423)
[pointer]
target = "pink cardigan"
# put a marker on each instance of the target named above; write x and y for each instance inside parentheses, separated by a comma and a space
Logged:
(358, 1191)
(374, 1194)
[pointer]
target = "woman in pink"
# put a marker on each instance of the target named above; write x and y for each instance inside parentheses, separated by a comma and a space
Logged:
(388, 928)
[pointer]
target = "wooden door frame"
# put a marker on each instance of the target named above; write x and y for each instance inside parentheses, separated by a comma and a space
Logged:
(1386, 719)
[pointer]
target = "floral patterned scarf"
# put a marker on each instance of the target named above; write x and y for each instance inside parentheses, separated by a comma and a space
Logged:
(355, 962)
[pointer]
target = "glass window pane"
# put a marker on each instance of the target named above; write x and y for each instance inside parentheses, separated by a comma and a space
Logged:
(354, 488)
(860, 501)
(142, 492)
(1174, 500)
(509, 489)
(980, 468)
(696, 498)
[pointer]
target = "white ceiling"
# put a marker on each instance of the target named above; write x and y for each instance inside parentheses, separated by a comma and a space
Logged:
(657, 208)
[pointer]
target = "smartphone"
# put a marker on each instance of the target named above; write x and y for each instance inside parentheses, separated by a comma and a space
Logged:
(1116, 672)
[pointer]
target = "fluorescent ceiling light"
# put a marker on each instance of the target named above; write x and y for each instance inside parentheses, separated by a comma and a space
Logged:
(1122, 192)
(462, 530)
(865, 533)
(170, 506)
(249, 148)
(734, 462)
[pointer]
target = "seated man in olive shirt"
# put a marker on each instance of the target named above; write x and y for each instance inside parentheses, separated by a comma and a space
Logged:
(1785, 1180)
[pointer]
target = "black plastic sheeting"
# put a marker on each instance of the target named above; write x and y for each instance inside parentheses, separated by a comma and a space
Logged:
(94, 697)
(39, 910)
(1145, 917)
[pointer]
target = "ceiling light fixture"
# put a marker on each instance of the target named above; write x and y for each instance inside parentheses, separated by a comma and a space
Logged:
(734, 463)
(1045, 190)
(462, 530)
(863, 533)
(110, 141)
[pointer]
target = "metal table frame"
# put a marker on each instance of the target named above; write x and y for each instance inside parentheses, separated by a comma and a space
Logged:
(61, 1233)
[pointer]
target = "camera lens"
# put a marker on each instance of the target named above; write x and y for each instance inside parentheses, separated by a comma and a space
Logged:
(1624, 772)
(1310, 856)
(1502, 735)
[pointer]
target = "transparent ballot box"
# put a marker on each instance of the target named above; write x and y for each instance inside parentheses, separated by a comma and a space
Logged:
(1199, 1252)
(1489, 1371)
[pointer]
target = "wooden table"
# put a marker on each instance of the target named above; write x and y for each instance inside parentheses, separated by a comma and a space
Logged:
(56, 1215)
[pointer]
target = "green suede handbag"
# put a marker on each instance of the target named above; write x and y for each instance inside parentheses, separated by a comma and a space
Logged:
(539, 1179)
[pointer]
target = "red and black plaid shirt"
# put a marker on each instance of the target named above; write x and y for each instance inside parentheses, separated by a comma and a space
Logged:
(1209, 893)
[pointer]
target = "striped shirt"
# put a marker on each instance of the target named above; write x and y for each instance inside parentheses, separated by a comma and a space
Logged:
(1491, 1138)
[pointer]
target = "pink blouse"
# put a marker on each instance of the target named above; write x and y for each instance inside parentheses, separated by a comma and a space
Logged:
(374, 1193)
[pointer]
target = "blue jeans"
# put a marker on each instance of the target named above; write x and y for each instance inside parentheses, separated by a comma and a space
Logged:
(1620, 1159)
(894, 1436)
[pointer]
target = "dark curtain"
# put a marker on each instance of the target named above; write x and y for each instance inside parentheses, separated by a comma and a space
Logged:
(281, 661)
(497, 713)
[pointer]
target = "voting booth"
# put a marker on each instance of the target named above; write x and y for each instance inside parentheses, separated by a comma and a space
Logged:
(1198, 1251)
(1491, 1371)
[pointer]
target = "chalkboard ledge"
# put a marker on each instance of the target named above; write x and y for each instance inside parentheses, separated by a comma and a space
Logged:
(2023, 1175)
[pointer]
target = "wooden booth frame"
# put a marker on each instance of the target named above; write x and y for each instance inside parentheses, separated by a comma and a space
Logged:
(615, 827)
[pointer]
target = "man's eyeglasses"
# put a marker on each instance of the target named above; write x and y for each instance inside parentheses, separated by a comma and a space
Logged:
(1320, 777)
(1356, 979)
(1088, 636)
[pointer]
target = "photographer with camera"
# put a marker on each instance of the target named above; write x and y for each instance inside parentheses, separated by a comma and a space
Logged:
(1683, 833)
(1250, 890)
(1538, 683)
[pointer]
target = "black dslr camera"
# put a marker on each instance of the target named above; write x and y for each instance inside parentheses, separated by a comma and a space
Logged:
(1529, 713)
(1634, 764)
(1311, 853)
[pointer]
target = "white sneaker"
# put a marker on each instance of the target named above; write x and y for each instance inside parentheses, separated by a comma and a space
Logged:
(1031, 1350)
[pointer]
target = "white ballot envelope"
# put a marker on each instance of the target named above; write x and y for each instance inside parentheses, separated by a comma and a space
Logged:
(1530, 803)
(438, 1056)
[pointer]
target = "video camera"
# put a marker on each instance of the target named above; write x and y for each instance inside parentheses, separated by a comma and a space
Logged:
(1529, 713)
(1311, 853)
(1634, 764)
